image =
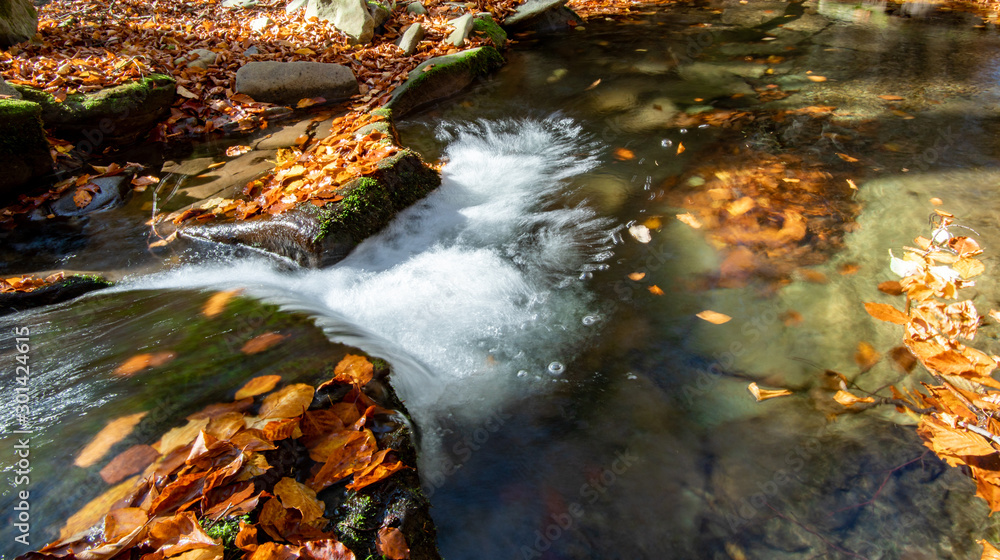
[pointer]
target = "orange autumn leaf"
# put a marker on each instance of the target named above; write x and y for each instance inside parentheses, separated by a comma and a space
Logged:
(849, 400)
(655, 290)
(713, 317)
(886, 312)
(765, 394)
(689, 219)
(131, 461)
(636, 276)
(139, 362)
(866, 356)
(115, 431)
(376, 471)
(95, 510)
(217, 303)
(233, 151)
(953, 444)
(680, 148)
(891, 287)
(817, 78)
(257, 386)
(262, 342)
(288, 402)
(989, 551)
(891, 97)
(295, 495)
(354, 369)
(624, 154)
(392, 544)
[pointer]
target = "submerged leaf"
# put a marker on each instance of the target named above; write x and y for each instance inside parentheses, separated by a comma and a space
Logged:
(886, 312)
(258, 386)
(764, 394)
(713, 317)
(115, 431)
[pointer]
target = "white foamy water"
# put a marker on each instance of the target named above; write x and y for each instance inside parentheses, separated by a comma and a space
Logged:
(480, 279)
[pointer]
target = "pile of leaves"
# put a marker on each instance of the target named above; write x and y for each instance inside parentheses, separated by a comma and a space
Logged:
(254, 465)
(84, 46)
(28, 283)
(958, 412)
(768, 214)
(316, 175)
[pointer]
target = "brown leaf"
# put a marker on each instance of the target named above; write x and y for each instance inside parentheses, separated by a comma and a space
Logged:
(624, 154)
(636, 276)
(989, 551)
(866, 356)
(680, 148)
(328, 549)
(258, 386)
(262, 342)
(354, 369)
(298, 496)
(713, 317)
(377, 470)
(815, 78)
(847, 158)
(952, 444)
(891, 287)
(128, 462)
(903, 358)
(122, 522)
(139, 362)
(288, 402)
(891, 97)
(95, 510)
(886, 312)
(392, 544)
(346, 460)
(246, 539)
(655, 290)
(180, 436)
(217, 303)
(180, 533)
(115, 431)
(689, 219)
(764, 394)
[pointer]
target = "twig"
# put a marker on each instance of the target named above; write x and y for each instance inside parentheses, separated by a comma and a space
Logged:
(813, 532)
(882, 486)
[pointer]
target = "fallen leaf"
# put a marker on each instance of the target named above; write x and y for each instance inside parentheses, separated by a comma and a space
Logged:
(131, 461)
(354, 369)
(624, 154)
(817, 78)
(713, 317)
(257, 386)
(113, 432)
(233, 151)
(296, 495)
(903, 358)
(846, 269)
(392, 543)
(848, 159)
(989, 551)
(689, 219)
(636, 276)
(848, 400)
(139, 362)
(891, 287)
(764, 394)
(680, 148)
(851, 184)
(262, 342)
(593, 85)
(217, 303)
(96, 510)
(655, 290)
(866, 356)
(936, 201)
(886, 312)
(288, 402)
(891, 97)
(185, 92)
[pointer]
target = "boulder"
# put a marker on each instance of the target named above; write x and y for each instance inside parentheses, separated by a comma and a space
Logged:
(381, 11)
(258, 25)
(483, 24)
(288, 82)
(462, 27)
(320, 236)
(113, 192)
(117, 115)
(416, 8)
(442, 77)
(202, 58)
(7, 91)
(24, 151)
(411, 38)
(18, 22)
(350, 17)
(541, 16)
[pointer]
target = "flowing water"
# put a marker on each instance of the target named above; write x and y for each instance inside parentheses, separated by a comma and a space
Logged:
(566, 409)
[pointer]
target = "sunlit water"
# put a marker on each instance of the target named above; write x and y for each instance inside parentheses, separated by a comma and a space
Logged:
(567, 411)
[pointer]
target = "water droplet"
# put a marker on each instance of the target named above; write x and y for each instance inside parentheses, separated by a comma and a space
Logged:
(556, 368)
(522, 373)
(590, 320)
(666, 142)
(683, 131)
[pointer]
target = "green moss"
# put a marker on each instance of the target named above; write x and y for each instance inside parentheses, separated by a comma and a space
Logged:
(468, 64)
(225, 532)
(357, 520)
(484, 25)
(20, 126)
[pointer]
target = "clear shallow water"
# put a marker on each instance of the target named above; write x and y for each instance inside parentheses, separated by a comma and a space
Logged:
(567, 411)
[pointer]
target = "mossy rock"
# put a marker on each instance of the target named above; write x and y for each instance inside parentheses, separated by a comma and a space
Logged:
(442, 77)
(483, 24)
(69, 288)
(314, 236)
(541, 16)
(24, 150)
(116, 115)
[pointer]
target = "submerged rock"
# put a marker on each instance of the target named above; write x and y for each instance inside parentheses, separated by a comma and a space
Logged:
(18, 22)
(541, 16)
(24, 150)
(288, 82)
(111, 193)
(116, 115)
(351, 17)
(69, 288)
(442, 77)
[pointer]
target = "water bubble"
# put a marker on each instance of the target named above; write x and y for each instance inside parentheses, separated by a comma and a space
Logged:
(683, 131)
(586, 275)
(522, 373)
(632, 375)
(590, 320)
(666, 142)
(557, 368)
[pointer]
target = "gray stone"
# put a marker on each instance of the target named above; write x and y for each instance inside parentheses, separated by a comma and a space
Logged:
(288, 82)
(288, 135)
(224, 181)
(113, 192)
(444, 76)
(350, 17)
(71, 287)
(295, 5)
(205, 58)
(260, 24)
(463, 26)
(712, 81)
(530, 10)
(18, 22)
(808, 23)
(24, 150)
(753, 14)
(238, 4)
(411, 38)
(416, 8)
(251, 51)
(7, 90)
(381, 11)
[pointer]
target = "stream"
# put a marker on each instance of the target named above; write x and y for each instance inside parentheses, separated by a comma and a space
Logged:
(570, 402)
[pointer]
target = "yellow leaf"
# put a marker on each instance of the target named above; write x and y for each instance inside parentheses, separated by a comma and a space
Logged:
(764, 394)
(636, 276)
(886, 312)
(217, 303)
(305, 51)
(689, 219)
(713, 317)
(680, 148)
(257, 386)
(969, 268)
(847, 399)
(115, 431)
